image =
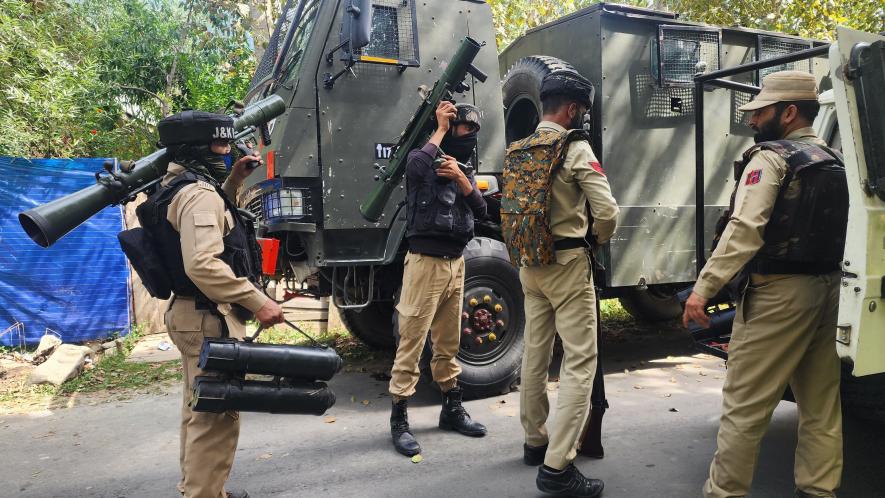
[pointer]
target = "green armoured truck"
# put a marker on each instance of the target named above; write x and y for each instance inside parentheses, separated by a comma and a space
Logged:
(353, 72)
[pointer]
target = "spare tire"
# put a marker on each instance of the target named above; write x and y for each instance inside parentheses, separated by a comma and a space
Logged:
(657, 303)
(522, 94)
(490, 366)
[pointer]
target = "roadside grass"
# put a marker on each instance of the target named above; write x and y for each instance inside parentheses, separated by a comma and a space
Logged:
(110, 374)
(612, 311)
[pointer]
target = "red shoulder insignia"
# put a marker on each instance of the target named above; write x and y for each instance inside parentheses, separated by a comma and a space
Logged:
(597, 167)
(754, 177)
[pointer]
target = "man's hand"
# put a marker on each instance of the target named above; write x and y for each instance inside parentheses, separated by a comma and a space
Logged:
(449, 169)
(270, 313)
(239, 171)
(696, 311)
(445, 112)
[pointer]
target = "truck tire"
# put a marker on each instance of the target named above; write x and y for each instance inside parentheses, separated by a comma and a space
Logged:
(522, 93)
(657, 303)
(863, 397)
(371, 325)
(490, 368)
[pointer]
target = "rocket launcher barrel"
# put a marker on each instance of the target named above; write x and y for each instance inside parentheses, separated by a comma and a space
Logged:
(282, 360)
(49, 222)
(451, 82)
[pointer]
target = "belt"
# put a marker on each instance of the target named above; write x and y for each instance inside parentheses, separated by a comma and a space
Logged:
(440, 256)
(774, 267)
(570, 243)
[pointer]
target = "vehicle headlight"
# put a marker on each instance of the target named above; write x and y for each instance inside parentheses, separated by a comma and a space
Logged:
(285, 203)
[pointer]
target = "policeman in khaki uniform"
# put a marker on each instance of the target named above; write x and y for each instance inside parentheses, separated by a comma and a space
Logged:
(786, 230)
(205, 244)
(442, 204)
(557, 277)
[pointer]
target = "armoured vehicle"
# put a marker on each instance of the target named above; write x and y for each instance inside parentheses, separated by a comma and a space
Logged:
(352, 73)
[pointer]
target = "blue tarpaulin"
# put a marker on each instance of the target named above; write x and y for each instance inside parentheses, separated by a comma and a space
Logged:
(77, 287)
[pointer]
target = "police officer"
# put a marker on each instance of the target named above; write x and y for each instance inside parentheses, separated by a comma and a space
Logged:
(209, 250)
(786, 230)
(555, 167)
(443, 201)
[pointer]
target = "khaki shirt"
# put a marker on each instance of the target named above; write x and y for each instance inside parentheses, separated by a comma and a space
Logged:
(576, 183)
(197, 212)
(753, 204)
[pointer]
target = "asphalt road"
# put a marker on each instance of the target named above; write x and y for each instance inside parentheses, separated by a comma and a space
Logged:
(659, 436)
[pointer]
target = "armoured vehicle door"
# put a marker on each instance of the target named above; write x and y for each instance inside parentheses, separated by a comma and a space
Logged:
(857, 65)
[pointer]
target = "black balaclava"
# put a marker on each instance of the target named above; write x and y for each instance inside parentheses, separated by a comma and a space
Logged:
(461, 148)
(201, 159)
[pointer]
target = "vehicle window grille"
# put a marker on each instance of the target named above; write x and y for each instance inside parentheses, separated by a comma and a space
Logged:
(393, 32)
(681, 48)
(254, 207)
(769, 47)
(740, 121)
(651, 101)
(275, 44)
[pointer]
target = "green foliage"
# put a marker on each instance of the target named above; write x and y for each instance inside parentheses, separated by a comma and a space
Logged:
(92, 77)
(809, 18)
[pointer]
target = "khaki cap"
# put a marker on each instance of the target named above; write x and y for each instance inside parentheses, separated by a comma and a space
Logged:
(783, 86)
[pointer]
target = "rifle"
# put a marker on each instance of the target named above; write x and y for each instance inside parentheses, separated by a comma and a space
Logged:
(451, 82)
(590, 440)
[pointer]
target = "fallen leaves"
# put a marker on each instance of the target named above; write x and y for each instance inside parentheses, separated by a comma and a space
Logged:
(329, 419)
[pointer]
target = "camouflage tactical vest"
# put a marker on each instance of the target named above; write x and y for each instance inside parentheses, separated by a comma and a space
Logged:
(806, 230)
(529, 169)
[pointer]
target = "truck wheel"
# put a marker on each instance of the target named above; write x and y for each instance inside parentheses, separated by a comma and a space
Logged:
(863, 397)
(657, 303)
(491, 354)
(371, 325)
(522, 93)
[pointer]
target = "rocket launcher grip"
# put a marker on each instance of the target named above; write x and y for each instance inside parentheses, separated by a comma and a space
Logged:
(452, 81)
(49, 222)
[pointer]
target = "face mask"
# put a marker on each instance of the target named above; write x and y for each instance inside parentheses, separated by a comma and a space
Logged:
(202, 160)
(461, 148)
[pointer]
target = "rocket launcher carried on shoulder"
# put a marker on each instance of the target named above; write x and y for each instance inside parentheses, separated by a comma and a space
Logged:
(47, 223)
(419, 127)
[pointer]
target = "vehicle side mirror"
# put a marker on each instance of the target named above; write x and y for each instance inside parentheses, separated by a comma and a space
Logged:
(357, 25)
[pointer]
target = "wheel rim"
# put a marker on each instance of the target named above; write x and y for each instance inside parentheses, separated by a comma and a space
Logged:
(486, 327)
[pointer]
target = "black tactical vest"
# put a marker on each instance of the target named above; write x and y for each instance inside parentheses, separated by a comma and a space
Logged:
(241, 250)
(436, 208)
(806, 231)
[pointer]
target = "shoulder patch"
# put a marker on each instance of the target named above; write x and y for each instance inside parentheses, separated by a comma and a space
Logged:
(205, 185)
(754, 177)
(597, 167)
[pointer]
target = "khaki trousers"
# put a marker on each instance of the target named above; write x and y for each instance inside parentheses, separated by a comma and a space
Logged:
(430, 300)
(559, 298)
(208, 440)
(784, 332)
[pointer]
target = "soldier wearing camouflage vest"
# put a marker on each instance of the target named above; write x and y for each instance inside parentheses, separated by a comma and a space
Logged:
(786, 232)
(549, 177)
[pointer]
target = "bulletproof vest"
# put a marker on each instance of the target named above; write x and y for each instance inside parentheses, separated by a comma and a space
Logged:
(434, 210)
(529, 169)
(241, 250)
(806, 231)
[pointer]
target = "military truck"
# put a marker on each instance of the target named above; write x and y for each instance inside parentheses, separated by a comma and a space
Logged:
(352, 73)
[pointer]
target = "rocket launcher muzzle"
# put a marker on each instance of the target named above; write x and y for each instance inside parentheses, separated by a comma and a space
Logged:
(217, 395)
(49, 222)
(451, 82)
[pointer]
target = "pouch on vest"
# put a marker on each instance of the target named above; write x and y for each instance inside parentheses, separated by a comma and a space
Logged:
(529, 169)
(138, 245)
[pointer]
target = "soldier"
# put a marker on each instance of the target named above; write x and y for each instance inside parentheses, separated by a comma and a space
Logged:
(442, 203)
(209, 250)
(786, 230)
(549, 177)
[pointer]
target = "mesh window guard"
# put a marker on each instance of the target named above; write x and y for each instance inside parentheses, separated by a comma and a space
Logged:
(394, 34)
(681, 48)
(769, 47)
(275, 44)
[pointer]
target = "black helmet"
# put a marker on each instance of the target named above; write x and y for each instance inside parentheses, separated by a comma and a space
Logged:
(568, 83)
(467, 113)
(195, 128)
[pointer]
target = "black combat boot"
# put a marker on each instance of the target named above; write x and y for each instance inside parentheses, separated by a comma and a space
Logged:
(533, 455)
(567, 482)
(454, 417)
(403, 440)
